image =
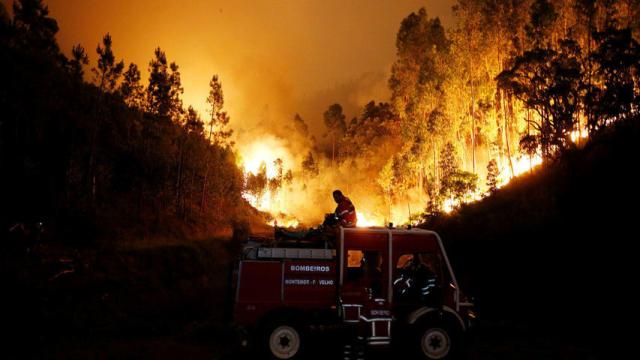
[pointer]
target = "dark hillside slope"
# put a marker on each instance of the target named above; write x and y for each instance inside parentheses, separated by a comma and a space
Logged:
(550, 252)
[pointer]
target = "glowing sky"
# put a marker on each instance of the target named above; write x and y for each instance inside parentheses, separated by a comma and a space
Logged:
(274, 57)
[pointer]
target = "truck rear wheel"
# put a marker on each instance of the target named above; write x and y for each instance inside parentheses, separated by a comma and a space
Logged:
(283, 340)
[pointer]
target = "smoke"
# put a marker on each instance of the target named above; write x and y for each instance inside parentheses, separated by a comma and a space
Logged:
(274, 59)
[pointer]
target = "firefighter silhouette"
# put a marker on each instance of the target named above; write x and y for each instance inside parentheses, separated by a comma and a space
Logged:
(416, 281)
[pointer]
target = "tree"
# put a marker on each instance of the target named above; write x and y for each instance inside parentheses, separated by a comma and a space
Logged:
(72, 146)
(416, 84)
(336, 126)
(193, 123)
(275, 183)
(219, 119)
(300, 126)
(448, 162)
(131, 90)
(543, 15)
(79, 59)
(187, 157)
(493, 173)
(309, 165)
(385, 180)
(455, 183)
(529, 145)
(108, 72)
(256, 184)
(36, 30)
(461, 185)
(548, 82)
(164, 88)
(106, 76)
(616, 59)
(288, 177)
(370, 137)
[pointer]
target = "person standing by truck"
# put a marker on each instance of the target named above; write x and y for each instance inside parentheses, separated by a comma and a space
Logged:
(345, 211)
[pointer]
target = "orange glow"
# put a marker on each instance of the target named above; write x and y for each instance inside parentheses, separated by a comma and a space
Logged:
(274, 58)
(365, 220)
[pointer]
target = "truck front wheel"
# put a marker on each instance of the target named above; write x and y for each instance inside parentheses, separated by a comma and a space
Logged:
(283, 340)
(436, 341)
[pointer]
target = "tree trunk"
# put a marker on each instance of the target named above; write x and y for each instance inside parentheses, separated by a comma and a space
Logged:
(505, 116)
(473, 129)
(473, 138)
(93, 147)
(179, 179)
(435, 162)
(529, 133)
(333, 149)
(204, 188)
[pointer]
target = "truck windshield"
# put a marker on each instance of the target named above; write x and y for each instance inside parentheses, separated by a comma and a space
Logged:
(432, 261)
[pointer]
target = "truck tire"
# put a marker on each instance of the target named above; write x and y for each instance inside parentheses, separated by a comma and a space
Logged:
(435, 340)
(283, 340)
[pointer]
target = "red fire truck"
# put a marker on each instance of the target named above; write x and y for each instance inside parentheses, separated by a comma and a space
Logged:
(382, 286)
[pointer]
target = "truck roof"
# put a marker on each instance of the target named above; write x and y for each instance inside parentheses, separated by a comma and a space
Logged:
(264, 248)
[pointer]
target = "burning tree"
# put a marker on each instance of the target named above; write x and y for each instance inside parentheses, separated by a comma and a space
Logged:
(336, 126)
(493, 173)
(257, 184)
(456, 184)
(219, 119)
(548, 81)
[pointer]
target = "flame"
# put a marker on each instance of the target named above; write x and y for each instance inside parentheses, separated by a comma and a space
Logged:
(521, 165)
(576, 135)
(289, 223)
(449, 205)
(265, 151)
(281, 203)
(365, 220)
(262, 203)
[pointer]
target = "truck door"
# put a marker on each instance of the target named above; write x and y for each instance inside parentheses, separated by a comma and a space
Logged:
(364, 272)
(422, 275)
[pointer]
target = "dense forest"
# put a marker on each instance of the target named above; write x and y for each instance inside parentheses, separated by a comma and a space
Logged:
(506, 86)
(92, 150)
(509, 85)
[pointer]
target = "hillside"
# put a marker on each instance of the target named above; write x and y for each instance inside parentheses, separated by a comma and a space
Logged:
(549, 253)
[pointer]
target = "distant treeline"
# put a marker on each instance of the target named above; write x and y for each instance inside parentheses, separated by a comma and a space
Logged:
(109, 153)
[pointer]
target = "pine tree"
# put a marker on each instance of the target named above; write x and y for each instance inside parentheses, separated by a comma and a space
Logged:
(131, 90)
(108, 72)
(79, 59)
(219, 119)
(165, 88)
(36, 31)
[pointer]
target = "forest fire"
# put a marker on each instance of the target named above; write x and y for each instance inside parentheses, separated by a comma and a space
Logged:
(135, 186)
(268, 186)
(521, 165)
(365, 220)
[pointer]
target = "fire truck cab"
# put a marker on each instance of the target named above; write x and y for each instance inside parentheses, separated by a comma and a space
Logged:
(381, 286)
